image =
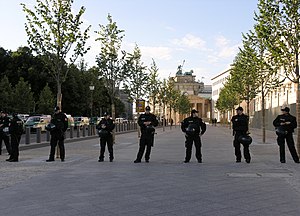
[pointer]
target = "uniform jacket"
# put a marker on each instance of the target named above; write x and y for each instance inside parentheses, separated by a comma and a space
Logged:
(60, 121)
(145, 118)
(110, 125)
(4, 122)
(16, 126)
(198, 124)
(240, 123)
(286, 118)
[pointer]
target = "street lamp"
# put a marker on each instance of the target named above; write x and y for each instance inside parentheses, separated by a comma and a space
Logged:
(92, 88)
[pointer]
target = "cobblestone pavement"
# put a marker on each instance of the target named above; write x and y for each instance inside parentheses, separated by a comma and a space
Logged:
(165, 186)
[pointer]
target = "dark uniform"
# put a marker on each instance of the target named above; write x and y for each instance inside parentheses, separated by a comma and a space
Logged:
(280, 121)
(16, 131)
(108, 126)
(60, 121)
(4, 135)
(147, 134)
(193, 126)
(240, 127)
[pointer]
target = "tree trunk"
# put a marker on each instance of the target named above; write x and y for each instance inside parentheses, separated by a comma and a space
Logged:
(59, 95)
(113, 115)
(298, 116)
(263, 112)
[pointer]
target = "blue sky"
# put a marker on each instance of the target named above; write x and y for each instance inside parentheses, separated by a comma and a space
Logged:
(204, 33)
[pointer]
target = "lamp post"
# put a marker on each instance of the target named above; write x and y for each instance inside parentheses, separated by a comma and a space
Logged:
(92, 88)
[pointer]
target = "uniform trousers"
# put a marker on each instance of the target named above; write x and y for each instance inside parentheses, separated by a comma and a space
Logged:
(237, 148)
(109, 141)
(146, 141)
(189, 145)
(5, 138)
(15, 141)
(291, 145)
(57, 139)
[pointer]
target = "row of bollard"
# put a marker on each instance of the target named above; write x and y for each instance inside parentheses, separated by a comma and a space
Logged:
(86, 130)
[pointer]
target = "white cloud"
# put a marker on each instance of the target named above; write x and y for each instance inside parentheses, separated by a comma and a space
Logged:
(161, 53)
(190, 41)
(225, 48)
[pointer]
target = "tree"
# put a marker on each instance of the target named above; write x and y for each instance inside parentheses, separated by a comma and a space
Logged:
(54, 33)
(23, 98)
(244, 75)
(183, 105)
(267, 78)
(153, 84)
(6, 94)
(138, 77)
(278, 25)
(46, 101)
(111, 66)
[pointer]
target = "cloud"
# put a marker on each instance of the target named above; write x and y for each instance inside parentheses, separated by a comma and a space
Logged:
(190, 41)
(159, 52)
(225, 48)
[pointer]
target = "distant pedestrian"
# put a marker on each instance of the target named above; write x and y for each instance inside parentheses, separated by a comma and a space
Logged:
(194, 128)
(16, 129)
(240, 128)
(105, 128)
(4, 132)
(285, 125)
(215, 121)
(59, 122)
(147, 123)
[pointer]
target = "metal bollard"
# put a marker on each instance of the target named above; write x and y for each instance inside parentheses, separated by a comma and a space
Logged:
(38, 134)
(89, 130)
(83, 130)
(78, 131)
(47, 136)
(27, 135)
(71, 132)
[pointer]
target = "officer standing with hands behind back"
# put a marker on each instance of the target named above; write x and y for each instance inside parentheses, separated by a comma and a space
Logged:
(193, 127)
(147, 122)
(60, 122)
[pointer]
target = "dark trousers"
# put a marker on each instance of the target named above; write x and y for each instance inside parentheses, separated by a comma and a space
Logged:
(189, 145)
(146, 141)
(15, 141)
(291, 145)
(237, 149)
(6, 142)
(57, 139)
(109, 141)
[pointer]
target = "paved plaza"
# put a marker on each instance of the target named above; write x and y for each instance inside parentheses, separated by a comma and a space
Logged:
(165, 186)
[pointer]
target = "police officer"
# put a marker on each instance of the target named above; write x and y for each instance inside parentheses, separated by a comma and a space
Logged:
(4, 132)
(16, 130)
(60, 121)
(147, 122)
(193, 127)
(286, 123)
(105, 128)
(240, 124)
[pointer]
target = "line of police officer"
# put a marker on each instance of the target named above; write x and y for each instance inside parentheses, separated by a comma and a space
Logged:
(193, 127)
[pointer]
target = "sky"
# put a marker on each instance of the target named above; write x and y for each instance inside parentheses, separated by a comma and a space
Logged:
(204, 34)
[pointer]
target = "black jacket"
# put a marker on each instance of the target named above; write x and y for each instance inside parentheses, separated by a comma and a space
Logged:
(60, 121)
(194, 122)
(16, 126)
(108, 123)
(240, 123)
(145, 118)
(286, 118)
